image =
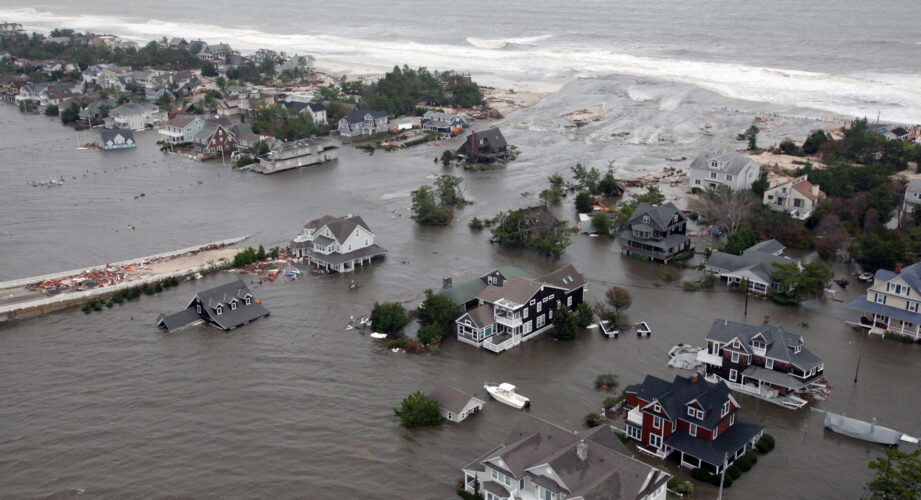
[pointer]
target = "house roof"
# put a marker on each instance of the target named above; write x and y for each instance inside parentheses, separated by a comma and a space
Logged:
(222, 295)
(548, 455)
(451, 399)
(133, 108)
(910, 274)
(662, 214)
(864, 305)
(178, 321)
(517, 290)
(358, 115)
(767, 246)
(566, 278)
(712, 452)
(182, 120)
(481, 316)
(730, 162)
(491, 136)
(805, 188)
(779, 341)
(673, 397)
(469, 290)
(110, 134)
(757, 260)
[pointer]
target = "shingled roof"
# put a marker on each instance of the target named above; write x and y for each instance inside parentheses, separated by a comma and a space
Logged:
(780, 343)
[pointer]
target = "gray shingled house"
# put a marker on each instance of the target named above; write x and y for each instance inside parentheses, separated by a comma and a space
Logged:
(755, 266)
(723, 169)
(540, 460)
(227, 306)
(363, 122)
(485, 146)
(656, 231)
(763, 360)
(336, 243)
(456, 405)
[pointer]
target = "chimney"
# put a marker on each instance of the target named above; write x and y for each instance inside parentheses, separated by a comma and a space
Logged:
(694, 378)
(815, 190)
(898, 268)
(446, 282)
(767, 318)
(582, 450)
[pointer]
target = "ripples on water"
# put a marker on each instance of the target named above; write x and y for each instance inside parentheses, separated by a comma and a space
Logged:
(294, 405)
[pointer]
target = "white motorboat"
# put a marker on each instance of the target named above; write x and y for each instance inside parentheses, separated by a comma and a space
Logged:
(505, 393)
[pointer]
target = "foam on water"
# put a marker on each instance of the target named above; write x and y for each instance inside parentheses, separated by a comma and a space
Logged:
(896, 97)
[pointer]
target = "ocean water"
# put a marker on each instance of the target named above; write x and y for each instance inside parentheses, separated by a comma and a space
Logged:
(846, 56)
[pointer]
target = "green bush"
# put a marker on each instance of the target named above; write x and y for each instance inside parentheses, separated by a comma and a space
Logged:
(606, 381)
(475, 223)
(689, 286)
(417, 409)
(584, 315)
(734, 472)
(752, 458)
(765, 444)
(388, 317)
(594, 419)
(429, 334)
(700, 474)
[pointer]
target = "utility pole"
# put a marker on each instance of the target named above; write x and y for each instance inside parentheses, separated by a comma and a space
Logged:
(723, 475)
(746, 300)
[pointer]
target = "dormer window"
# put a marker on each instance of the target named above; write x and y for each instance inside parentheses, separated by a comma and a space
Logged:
(233, 306)
(735, 343)
(247, 300)
(691, 411)
(656, 408)
(714, 164)
(797, 349)
(219, 310)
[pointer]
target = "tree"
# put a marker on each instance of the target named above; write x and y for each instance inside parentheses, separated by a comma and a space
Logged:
(602, 223)
(417, 410)
(789, 147)
(439, 311)
(70, 113)
(830, 236)
(881, 249)
(516, 229)
(898, 476)
(815, 140)
(260, 147)
(584, 202)
(466, 495)
(741, 240)
(618, 298)
(260, 254)
(165, 101)
(797, 282)
(221, 83)
(593, 419)
(426, 211)
(564, 324)
(725, 208)
(552, 194)
(607, 381)
(587, 179)
(880, 199)
(750, 135)
(208, 69)
(388, 317)
(608, 184)
(447, 157)
(447, 188)
(429, 334)
(51, 110)
(584, 315)
(761, 185)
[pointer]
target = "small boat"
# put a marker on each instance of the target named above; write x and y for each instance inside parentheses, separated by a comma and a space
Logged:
(865, 278)
(377, 335)
(505, 393)
(867, 431)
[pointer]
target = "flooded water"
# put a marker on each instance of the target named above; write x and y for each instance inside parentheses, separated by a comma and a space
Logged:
(295, 405)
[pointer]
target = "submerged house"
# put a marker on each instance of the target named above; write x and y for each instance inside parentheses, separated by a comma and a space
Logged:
(656, 231)
(336, 243)
(891, 303)
(227, 306)
(755, 266)
(697, 420)
(509, 311)
(465, 294)
(120, 138)
(455, 405)
(437, 121)
(485, 146)
(214, 138)
(363, 122)
(181, 129)
(764, 361)
(539, 460)
(285, 155)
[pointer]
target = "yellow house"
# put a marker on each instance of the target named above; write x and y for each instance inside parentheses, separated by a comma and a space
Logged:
(891, 304)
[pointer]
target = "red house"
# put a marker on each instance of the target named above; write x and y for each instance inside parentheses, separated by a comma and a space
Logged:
(691, 417)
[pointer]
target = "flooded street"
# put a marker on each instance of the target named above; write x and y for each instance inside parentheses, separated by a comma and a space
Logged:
(295, 405)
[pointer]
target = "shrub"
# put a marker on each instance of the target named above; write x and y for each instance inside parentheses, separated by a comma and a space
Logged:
(744, 464)
(734, 472)
(417, 409)
(109, 304)
(610, 402)
(606, 381)
(564, 324)
(689, 286)
(623, 437)
(414, 347)
(765, 444)
(429, 334)
(667, 277)
(752, 458)
(594, 420)
(700, 474)
(475, 223)
(584, 315)
(388, 317)
(399, 343)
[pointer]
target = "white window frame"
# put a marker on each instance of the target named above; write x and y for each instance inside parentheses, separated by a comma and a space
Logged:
(769, 363)
(634, 432)
(526, 328)
(735, 357)
(691, 412)
(912, 306)
(539, 306)
(699, 414)
(732, 419)
(655, 440)
(524, 314)
(569, 301)
(725, 409)
(219, 310)
(540, 322)
(656, 422)
(733, 375)
(692, 430)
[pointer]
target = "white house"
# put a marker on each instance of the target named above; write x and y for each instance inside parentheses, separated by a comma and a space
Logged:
(436, 121)
(723, 169)
(540, 460)
(912, 198)
(285, 155)
(798, 197)
(336, 243)
(135, 116)
(455, 405)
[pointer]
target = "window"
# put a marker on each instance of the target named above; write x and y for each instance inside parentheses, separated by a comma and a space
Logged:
(714, 164)
(716, 431)
(656, 422)
(524, 313)
(692, 430)
(546, 299)
(733, 375)
(646, 219)
(735, 357)
(655, 440)
(634, 432)
(526, 328)
(912, 306)
(728, 177)
(700, 414)
(769, 363)
(545, 494)
(691, 411)
(569, 301)
(233, 306)
(880, 298)
(219, 310)
(713, 175)
(697, 181)
(732, 419)
(735, 343)
(540, 321)
(538, 306)
(725, 409)
(550, 314)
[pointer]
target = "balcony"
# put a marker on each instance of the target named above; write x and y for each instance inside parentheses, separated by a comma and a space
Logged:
(710, 359)
(635, 416)
(499, 343)
(509, 321)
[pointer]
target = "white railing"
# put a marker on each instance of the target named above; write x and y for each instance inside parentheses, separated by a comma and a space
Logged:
(509, 322)
(710, 359)
(64, 274)
(499, 347)
(635, 416)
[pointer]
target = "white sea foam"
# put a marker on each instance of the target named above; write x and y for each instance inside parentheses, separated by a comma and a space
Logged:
(895, 97)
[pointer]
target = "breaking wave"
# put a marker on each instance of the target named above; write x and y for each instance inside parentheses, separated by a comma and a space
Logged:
(895, 97)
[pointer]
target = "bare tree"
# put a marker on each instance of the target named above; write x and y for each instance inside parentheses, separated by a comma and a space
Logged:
(725, 208)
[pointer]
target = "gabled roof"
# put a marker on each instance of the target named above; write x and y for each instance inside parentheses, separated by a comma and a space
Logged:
(910, 274)
(106, 134)
(468, 290)
(517, 290)
(178, 321)
(805, 188)
(481, 316)
(549, 455)
(358, 115)
(660, 214)
(182, 120)
(451, 399)
(730, 162)
(779, 341)
(221, 296)
(757, 260)
(343, 227)
(566, 278)
(673, 397)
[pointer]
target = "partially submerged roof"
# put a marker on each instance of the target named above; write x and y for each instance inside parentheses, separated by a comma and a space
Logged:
(566, 278)
(451, 399)
(780, 343)
(516, 290)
